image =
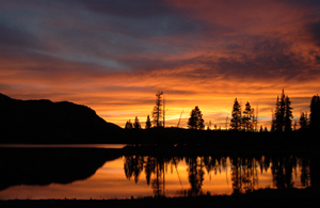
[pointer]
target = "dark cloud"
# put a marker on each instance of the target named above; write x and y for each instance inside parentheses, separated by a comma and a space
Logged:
(314, 29)
(308, 3)
(132, 9)
(142, 18)
(262, 58)
(260, 67)
(16, 37)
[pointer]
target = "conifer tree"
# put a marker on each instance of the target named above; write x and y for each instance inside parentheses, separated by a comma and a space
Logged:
(274, 116)
(157, 111)
(288, 115)
(248, 117)
(303, 120)
(315, 112)
(148, 122)
(136, 123)
(236, 116)
(128, 125)
(195, 120)
(209, 126)
(295, 125)
(282, 114)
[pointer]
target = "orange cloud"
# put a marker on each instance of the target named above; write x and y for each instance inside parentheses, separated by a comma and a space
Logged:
(204, 53)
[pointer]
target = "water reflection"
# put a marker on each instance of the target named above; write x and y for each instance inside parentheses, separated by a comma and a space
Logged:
(154, 168)
(244, 171)
(244, 174)
(305, 177)
(101, 173)
(43, 166)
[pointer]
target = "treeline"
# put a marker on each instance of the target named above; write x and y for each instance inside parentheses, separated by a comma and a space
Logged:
(282, 115)
(241, 120)
(158, 116)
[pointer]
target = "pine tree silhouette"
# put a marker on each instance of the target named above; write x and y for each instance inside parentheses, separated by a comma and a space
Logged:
(282, 114)
(136, 123)
(128, 125)
(148, 122)
(236, 116)
(195, 120)
(157, 110)
(303, 120)
(315, 112)
(247, 118)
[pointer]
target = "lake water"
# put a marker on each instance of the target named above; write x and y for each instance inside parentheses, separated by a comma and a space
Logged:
(105, 146)
(97, 173)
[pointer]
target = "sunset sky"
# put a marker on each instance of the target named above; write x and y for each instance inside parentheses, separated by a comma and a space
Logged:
(115, 55)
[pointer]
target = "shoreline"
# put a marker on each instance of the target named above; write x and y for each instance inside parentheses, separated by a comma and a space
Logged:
(308, 197)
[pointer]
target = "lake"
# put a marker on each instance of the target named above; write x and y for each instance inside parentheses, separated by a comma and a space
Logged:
(85, 172)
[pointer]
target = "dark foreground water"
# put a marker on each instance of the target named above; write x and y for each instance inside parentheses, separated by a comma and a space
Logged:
(98, 173)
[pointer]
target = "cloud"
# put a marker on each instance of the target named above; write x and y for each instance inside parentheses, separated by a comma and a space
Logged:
(314, 29)
(115, 55)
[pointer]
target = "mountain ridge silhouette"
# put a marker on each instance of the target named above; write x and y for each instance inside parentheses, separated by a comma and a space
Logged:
(44, 122)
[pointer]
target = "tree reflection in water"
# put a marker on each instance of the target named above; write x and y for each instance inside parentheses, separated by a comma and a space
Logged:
(305, 177)
(244, 175)
(244, 171)
(282, 171)
(133, 166)
(154, 168)
(196, 175)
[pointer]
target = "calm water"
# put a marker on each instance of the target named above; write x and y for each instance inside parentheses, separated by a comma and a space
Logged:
(105, 146)
(98, 173)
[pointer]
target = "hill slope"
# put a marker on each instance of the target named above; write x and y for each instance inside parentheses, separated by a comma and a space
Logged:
(43, 121)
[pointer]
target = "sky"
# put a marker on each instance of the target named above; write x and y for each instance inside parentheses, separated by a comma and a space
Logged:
(115, 55)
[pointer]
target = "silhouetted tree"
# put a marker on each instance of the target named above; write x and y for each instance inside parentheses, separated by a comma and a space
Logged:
(265, 129)
(315, 112)
(247, 117)
(148, 122)
(279, 113)
(261, 128)
(195, 120)
(209, 126)
(236, 116)
(303, 120)
(273, 124)
(288, 115)
(136, 123)
(128, 125)
(157, 110)
(282, 114)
